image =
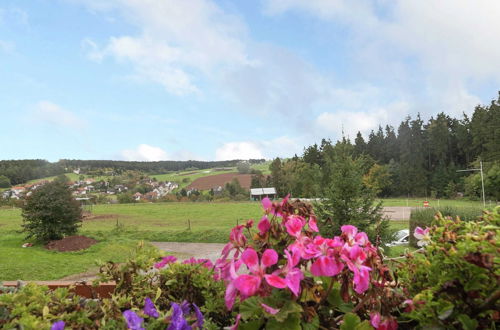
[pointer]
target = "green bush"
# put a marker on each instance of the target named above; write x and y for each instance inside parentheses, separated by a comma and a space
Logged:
(423, 217)
(51, 212)
(34, 306)
(453, 281)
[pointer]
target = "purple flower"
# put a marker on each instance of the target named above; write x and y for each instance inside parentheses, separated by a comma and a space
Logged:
(59, 325)
(185, 307)
(149, 308)
(199, 316)
(134, 322)
(177, 321)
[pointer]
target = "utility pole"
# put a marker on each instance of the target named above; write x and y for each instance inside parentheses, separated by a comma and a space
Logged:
(482, 178)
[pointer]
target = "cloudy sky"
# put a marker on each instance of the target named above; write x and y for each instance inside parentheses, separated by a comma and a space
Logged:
(212, 80)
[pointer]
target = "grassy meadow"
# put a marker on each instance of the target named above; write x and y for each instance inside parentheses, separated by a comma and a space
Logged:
(419, 202)
(118, 228)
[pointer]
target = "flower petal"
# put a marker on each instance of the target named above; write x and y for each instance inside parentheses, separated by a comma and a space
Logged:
(269, 309)
(248, 285)
(269, 258)
(326, 266)
(264, 225)
(313, 224)
(250, 258)
(276, 281)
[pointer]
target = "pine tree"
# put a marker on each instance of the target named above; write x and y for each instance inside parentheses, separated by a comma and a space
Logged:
(347, 200)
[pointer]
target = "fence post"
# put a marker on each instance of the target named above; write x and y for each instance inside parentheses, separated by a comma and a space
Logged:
(189, 224)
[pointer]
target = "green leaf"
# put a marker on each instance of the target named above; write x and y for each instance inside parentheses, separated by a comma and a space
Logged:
(292, 322)
(45, 311)
(311, 325)
(351, 321)
(250, 307)
(346, 307)
(289, 308)
(334, 297)
(251, 325)
(467, 322)
(365, 325)
(158, 294)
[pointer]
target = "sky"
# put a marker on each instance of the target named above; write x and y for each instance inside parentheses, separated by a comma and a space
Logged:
(152, 80)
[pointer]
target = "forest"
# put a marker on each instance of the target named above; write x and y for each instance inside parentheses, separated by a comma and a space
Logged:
(416, 159)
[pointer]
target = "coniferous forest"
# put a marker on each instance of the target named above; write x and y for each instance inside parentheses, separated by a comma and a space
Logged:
(417, 158)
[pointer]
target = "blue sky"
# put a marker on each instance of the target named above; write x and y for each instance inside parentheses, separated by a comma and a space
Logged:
(212, 80)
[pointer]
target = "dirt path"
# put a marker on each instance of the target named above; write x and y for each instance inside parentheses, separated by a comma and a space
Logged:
(397, 212)
(198, 250)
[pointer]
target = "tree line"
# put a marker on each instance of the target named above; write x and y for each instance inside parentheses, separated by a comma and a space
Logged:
(416, 159)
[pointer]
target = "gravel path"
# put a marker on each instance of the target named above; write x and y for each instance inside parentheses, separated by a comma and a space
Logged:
(397, 212)
(198, 250)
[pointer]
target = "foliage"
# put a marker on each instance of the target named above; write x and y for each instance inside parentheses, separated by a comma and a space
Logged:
(51, 212)
(347, 200)
(243, 167)
(377, 179)
(36, 307)
(423, 217)
(4, 182)
(453, 282)
(192, 282)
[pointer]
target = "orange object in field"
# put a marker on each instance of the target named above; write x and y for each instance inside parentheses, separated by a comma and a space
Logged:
(426, 204)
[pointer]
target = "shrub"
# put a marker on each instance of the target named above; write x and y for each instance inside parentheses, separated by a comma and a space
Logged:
(51, 212)
(453, 282)
(423, 217)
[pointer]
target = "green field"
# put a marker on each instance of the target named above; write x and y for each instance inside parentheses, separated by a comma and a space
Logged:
(190, 175)
(419, 202)
(118, 228)
(264, 167)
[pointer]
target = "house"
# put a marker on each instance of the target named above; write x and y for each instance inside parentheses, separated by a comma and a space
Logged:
(259, 193)
(137, 196)
(151, 195)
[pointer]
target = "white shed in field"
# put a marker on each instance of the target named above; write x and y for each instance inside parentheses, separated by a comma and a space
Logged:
(259, 193)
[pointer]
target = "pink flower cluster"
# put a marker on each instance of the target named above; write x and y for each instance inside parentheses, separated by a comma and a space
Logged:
(305, 249)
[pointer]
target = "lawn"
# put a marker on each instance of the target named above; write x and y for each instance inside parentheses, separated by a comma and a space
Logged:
(419, 202)
(118, 228)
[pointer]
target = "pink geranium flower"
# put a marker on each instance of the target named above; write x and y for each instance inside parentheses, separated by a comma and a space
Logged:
(422, 235)
(354, 258)
(237, 241)
(249, 284)
(165, 261)
(353, 237)
(327, 262)
(313, 224)
(264, 225)
(382, 323)
(292, 275)
(294, 225)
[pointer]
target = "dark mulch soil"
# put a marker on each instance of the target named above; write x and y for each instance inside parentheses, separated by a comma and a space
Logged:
(71, 243)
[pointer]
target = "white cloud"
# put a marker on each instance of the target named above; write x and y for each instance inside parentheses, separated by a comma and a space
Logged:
(238, 150)
(351, 122)
(177, 40)
(145, 152)
(279, 147)
(54, 114)
(449, 43)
